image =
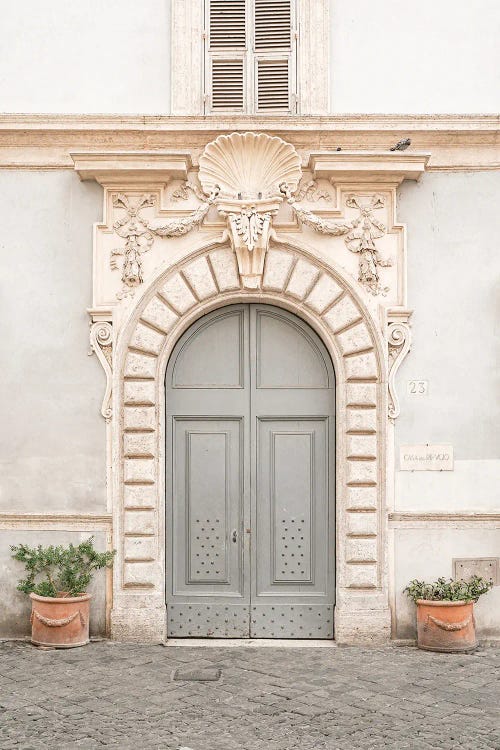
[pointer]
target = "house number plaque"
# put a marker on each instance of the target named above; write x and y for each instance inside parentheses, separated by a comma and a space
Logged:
(417, 387)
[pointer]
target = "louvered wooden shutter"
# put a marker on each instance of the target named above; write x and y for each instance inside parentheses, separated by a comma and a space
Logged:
(273, 25)
(227, 27)
(227, 40)
(273, 89)
(273, 47)
(227, 84)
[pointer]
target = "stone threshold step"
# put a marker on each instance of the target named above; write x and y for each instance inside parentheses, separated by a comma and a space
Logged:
(249, 643)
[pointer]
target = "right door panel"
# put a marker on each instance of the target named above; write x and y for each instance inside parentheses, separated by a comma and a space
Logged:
(292, 407)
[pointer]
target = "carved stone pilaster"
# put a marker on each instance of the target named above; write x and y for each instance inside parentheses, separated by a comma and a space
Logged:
(399, 344)
(101, 343)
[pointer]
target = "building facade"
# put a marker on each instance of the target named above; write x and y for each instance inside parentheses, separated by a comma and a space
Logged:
(292, 406)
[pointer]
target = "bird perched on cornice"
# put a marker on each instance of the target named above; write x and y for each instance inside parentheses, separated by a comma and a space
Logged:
(401, 145)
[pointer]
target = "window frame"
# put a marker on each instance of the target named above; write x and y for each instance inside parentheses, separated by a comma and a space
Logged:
(251, 57)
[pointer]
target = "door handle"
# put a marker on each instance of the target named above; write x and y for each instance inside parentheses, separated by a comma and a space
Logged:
(234, 536)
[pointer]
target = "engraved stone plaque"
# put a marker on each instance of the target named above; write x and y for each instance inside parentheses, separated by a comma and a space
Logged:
(426, 458)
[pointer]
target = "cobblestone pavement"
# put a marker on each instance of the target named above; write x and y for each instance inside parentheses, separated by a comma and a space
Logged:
(124, 696)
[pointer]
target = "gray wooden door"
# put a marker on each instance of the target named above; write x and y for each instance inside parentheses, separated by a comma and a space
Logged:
(250, 399)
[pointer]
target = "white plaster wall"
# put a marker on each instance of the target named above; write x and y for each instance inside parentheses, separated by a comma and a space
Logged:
(429, 57)
(16, 606)
(52, 436)
(48, 384)
(453, 287)
(114, 57)
(85, 57)
(427, 554)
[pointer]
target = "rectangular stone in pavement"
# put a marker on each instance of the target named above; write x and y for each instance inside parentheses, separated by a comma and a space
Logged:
(197, 675)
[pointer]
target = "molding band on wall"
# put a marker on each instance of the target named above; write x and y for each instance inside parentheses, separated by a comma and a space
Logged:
(55, 521)
(418, 520)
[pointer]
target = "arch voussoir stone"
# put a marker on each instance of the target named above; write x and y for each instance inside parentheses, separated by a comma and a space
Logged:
(295, 280)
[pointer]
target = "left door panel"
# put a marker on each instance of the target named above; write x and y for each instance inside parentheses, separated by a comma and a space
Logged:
(206, 425)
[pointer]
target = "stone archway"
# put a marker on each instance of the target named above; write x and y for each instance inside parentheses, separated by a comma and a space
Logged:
(295, 280)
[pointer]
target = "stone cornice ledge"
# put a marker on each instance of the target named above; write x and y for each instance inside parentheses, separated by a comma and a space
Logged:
(140, 167)
(457, 142)
(375, 166)
(355, 122)
(137, 167)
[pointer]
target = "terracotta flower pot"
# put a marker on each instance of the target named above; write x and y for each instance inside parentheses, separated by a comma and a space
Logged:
(446, 626)
(61, 622)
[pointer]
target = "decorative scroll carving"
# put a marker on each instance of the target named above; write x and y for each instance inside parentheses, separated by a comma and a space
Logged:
(399, 343)
(311, 192)
(101, 342)
(182, 192)
(360, 234)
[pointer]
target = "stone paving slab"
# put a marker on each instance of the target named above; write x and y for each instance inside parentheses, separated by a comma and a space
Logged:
(124, 696)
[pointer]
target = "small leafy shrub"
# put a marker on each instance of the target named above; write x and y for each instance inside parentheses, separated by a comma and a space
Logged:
(449, 590)
(65, 571)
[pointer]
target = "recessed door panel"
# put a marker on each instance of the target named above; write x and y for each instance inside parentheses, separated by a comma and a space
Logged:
(250, 522)
(211, 355)
(205, 482)
(292, 540)
(292, 535)
(286, 355)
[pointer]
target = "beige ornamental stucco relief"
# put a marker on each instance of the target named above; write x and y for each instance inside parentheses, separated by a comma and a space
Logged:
(253, 221)
(253, 190)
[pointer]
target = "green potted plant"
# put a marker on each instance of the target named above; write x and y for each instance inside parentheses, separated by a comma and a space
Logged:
(56, 581)
(445, 616)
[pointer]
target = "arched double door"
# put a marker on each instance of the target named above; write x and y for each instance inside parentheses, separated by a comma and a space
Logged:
(250, 399)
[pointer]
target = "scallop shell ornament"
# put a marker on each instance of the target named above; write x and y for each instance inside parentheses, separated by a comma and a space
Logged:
(249, 166)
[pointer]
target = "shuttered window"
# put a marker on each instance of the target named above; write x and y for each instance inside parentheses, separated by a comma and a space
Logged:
(251, 55)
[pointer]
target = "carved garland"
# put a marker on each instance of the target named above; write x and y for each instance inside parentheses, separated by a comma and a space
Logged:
(360, 235)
